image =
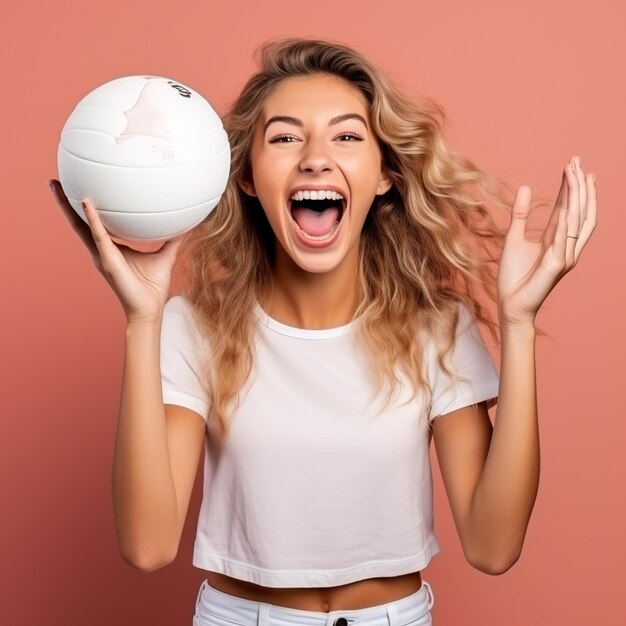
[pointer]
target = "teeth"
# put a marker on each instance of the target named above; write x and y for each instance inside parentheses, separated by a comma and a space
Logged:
(319, 194)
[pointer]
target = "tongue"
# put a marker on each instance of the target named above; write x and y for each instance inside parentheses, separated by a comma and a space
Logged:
(316, 223)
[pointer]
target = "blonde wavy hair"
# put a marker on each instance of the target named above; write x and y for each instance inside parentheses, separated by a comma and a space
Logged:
(427, 245)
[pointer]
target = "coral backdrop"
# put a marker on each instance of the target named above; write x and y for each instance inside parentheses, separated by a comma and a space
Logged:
(526, 85)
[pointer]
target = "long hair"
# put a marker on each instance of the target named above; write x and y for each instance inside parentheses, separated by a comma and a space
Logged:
(427, 245)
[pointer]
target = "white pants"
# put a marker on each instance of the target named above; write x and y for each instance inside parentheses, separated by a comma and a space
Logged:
(216, 608)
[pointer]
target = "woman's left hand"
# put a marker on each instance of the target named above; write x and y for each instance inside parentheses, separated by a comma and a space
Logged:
(528, 270)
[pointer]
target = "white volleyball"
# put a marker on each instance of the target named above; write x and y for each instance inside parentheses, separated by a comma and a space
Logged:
(150, 153)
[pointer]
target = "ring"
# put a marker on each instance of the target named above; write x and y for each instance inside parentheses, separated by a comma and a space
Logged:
(572, 236)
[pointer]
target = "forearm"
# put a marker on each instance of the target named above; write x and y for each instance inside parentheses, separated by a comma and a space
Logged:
(144, 497)
(506, 491)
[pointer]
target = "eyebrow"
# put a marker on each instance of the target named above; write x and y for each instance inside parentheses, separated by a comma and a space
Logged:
(296, 122)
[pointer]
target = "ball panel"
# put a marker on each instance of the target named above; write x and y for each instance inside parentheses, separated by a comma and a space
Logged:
(126, 92)
(160, 125)
(120, 93)
(143, 190)
(150, 227)
(182, 139)
(94, 119)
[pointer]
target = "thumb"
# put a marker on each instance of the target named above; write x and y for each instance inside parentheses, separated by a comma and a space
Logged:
(519, 214)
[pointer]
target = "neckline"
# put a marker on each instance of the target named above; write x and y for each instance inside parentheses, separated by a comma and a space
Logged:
(301, 333)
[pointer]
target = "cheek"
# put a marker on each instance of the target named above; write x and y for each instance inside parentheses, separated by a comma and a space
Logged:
(272, 206)
(360, 166)
(268, 176)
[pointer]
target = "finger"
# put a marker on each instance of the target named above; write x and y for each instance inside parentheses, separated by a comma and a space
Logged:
(106, 250)
(561, 202)
(77, 223)
(559, 245)
(519, 214)
(582, 187)
(573, 215)
(589, 225)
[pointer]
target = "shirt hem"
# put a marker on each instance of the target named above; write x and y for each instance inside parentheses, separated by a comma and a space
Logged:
(180, 398)
(486, 392)
(314, 578)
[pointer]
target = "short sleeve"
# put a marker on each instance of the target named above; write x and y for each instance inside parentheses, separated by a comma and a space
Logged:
(182, 351)
(468, 358)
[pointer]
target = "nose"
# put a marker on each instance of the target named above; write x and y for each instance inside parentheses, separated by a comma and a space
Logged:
(315, 158)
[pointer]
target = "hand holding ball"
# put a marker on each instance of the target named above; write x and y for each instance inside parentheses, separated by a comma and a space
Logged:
(150, 154)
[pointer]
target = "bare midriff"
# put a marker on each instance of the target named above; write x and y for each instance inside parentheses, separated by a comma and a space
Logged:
(357, 595)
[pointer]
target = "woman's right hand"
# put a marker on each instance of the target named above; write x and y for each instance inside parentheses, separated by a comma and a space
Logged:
(140, 280)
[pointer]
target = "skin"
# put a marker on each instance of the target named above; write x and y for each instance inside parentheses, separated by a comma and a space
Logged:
(490, 473)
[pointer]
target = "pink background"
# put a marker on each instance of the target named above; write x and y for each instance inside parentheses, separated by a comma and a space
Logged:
(526, 85)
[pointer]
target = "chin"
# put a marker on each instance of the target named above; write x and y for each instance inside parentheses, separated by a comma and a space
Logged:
(317, 266)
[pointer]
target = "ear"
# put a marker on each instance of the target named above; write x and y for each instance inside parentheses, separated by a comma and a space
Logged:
(247, 187)
(384, 184)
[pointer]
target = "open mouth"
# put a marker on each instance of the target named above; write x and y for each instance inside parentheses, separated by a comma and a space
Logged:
(317, 219)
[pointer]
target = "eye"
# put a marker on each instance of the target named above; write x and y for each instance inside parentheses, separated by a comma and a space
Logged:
(283, 139)
(349, 137)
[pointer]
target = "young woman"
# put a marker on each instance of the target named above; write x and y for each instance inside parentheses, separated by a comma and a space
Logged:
(327, 330)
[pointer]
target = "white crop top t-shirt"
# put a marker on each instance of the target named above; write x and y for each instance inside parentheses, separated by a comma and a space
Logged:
(312, 488)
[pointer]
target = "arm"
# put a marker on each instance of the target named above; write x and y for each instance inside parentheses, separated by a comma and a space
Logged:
(157, 447)
(492, 476)
(156, 456)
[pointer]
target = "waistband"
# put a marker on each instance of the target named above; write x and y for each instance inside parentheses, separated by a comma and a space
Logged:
(253, 613)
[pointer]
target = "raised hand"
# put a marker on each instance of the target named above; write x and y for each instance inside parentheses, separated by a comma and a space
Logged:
(140, 280)
(528, 270)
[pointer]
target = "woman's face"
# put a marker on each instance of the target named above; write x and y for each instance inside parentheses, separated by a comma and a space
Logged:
(316, 168)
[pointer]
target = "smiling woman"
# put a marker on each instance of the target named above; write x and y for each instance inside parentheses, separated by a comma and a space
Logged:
(326, 333)
(313, 136)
